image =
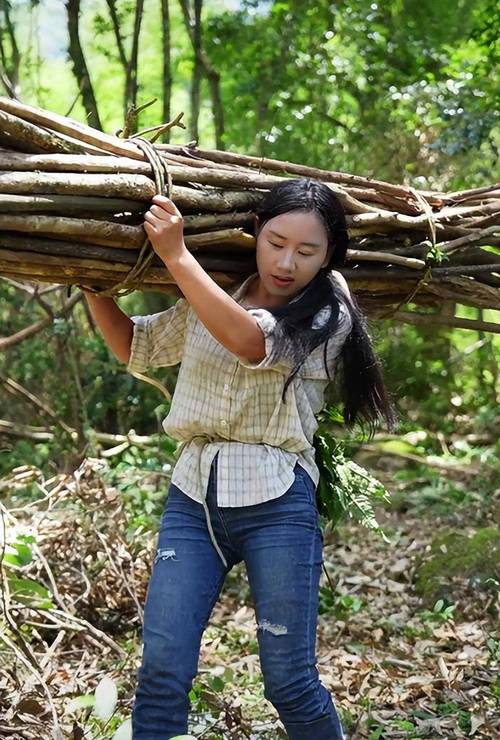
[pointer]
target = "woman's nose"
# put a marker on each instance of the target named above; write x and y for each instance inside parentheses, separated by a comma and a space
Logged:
(286, 260)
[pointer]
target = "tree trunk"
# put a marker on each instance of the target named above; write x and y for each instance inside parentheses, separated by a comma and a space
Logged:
(193, 29)
(197, 73)
(79, 65)
(167, 73)
(9, 68)
(130, 100)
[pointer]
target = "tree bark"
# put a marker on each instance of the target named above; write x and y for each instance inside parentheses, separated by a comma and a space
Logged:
(9, 68)
(193, 28)
(167, 72)
(131, 86)
(129, 64)
(79, 64)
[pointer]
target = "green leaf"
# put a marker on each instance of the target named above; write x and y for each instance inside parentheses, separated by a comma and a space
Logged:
(27, 591)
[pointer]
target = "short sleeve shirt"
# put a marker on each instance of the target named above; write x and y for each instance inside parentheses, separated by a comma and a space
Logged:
(225, 404)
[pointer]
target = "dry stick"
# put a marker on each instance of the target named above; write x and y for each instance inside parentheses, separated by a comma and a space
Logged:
(112, 144)
(29, 331)
(481, 223)
(225, 238)
(473, 256)
(214, 220)
(68, 204)
(88, 231)
(388, 202)
(452, 213)
(110, 234)
(29, 431)
(95, 631)
(358, 255)
(140, 187)
(290, 167)
(467, 238)
(30, 665)
(18, 161)
(15, 161)
(391, 288)
(90, 208)
(134, 187)
(387, 285)
(466, 291)
(461, 194)
(66, 254)
(24, 134)
(24, 431)
(176, 159)
(81, 270)
(120, 573)
(15, 387)
(71, 127)
(161, 128)
(411, 317)
(204, 242)
(386, 218)
(100, 163)
(467, 269)
(474, 238)
(171, 289)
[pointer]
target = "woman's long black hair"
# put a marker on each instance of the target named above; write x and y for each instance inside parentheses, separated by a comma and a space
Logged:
(362, 388)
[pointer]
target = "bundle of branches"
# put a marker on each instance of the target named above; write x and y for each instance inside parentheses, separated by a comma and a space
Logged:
(72, 201)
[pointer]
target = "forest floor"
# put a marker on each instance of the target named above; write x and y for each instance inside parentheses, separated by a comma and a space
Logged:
(401, 660)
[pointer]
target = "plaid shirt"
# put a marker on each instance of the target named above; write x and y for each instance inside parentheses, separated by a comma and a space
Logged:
(224, 403)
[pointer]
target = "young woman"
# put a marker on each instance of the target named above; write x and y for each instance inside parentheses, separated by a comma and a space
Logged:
(254, 367)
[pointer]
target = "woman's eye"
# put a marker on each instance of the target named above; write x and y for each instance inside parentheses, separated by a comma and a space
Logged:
(280, 246)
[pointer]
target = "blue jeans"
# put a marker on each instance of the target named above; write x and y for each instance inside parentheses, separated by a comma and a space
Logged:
(281, 543)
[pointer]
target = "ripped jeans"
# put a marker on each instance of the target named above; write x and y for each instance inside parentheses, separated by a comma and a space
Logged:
(281, 543)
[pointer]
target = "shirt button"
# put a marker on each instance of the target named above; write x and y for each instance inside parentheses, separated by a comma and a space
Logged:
(226, 387)
(223, 422)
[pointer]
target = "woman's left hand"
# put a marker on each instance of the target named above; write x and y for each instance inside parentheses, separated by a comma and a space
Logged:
(164, 226)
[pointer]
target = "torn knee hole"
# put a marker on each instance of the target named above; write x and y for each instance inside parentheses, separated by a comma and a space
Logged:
(165, 554)
(275, 629)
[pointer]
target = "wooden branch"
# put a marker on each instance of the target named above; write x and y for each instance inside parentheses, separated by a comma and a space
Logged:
(424, 319)
(69, 205)
(14, 387)
(88, 231)
(37, 327)
(291, 168)
(73, 212)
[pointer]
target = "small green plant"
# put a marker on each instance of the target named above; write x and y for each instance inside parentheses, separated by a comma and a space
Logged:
(340, 606)
(23, 590)
(493, 646)
(440, 613)
(345, 489)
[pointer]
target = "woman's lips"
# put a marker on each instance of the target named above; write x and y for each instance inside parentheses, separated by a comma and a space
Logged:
(281, 283)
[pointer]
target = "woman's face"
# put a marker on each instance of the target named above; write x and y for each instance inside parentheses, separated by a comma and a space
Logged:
(293, 245)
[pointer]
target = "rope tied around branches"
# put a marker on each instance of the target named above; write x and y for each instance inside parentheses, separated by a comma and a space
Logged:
(163, 183)
(428, 268)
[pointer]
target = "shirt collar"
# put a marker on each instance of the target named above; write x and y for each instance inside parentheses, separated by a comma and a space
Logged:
(241, 290)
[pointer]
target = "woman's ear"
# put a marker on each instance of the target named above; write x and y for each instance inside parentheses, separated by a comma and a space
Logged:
(328, 257)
